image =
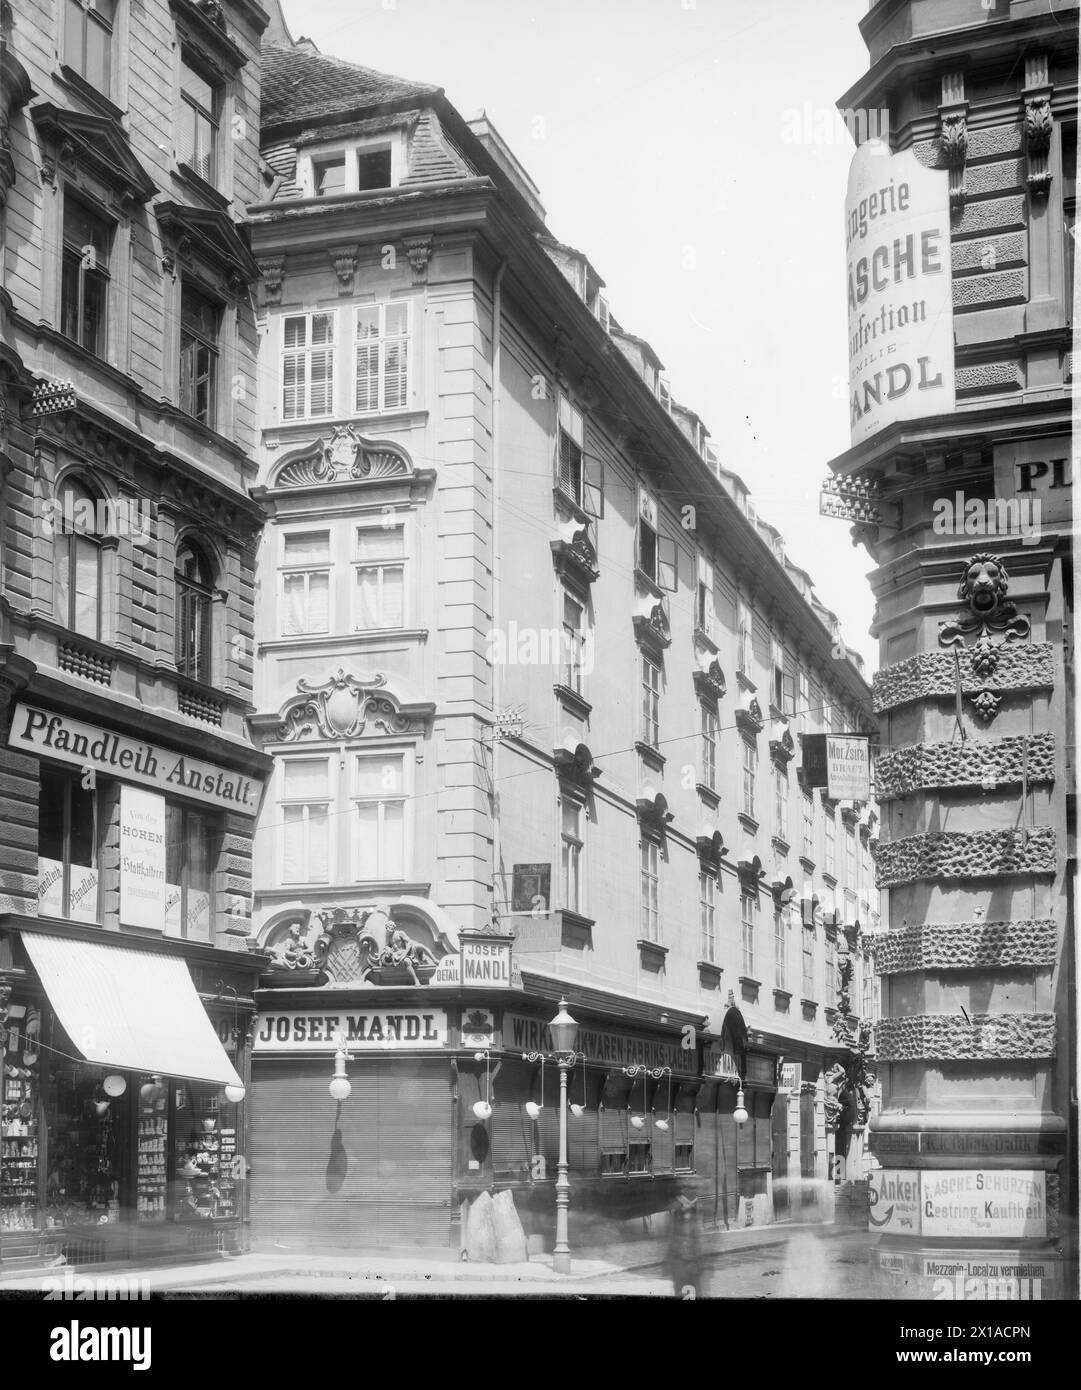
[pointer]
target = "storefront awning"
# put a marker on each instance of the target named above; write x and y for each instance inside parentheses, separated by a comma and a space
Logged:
(130, 1010)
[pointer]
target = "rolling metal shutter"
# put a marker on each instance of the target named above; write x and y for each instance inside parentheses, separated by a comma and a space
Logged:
(379, 1177)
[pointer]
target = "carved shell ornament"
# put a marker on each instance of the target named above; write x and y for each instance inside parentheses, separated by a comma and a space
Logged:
(347, 457)
(341, 708)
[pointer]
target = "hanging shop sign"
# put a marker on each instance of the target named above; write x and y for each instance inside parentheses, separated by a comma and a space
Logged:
(994, 1203)
(894, 1201)
(48, 735)
(598, 1044)
(142, 858)
(900, 296)
(485, 964)
(310, 1031)
(841, 763)
(531, 889)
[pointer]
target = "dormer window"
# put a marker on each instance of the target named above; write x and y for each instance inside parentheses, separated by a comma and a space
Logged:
(328, 175)
(357, 168)
(373, 169)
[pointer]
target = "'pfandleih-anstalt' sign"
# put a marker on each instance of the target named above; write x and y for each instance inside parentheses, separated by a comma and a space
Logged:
(848, 767)
(900, 296)
(49, 735)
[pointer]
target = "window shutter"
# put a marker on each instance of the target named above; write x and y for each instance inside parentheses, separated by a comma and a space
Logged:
(647, 507)
(667, 564)
(760, 640)
(593, 486)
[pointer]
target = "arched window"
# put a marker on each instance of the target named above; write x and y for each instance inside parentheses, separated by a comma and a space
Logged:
(194, 585)
(77, 571)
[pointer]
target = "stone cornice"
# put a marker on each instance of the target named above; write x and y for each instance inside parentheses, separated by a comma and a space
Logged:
(964, 854)
(967, 946)
(932, 675)
(929, 766)
(953, 1037)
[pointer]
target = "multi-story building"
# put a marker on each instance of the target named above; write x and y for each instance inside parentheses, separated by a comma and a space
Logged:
(128, 152)
(968, 482)
(532, 674)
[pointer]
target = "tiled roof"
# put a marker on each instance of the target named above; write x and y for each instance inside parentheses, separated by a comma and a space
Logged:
(430, 159)
(299, 85)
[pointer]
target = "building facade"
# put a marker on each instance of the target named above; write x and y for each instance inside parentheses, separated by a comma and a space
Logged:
(533, 676)
(128, 152)
(969, 526)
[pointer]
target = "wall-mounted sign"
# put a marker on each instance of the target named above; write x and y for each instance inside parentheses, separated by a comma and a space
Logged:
(478, 1027)
(48, 735)
(309, 1030)
(542, 932)
(848, 767)
(531, 889)
(483, 964)
(142, 858)
(894, 1201)
(718, 1063)
(900, 296)
(995, 1203)
(620, 1049)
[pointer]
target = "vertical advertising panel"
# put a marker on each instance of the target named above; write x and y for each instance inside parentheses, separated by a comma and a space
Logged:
(142, 858)
(900, 296)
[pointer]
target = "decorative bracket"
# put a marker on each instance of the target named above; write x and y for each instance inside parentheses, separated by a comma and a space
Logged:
(344, 259)
(953, 134)
(1039, 123)
(272, 271)
(419, 250)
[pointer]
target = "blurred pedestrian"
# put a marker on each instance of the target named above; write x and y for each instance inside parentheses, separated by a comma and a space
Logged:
(684, 1249)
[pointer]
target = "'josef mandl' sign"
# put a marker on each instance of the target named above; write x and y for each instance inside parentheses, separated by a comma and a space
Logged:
(484, 963)
(900, 298)
(311, 1030)
(49, 735)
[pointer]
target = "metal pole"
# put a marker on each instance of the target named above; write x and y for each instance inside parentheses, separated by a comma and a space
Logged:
(561, 1255)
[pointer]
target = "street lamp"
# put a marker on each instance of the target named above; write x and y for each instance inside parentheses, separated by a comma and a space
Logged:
(339, 1082)
(564, 1033)
(640, 1069)
(739, 1114)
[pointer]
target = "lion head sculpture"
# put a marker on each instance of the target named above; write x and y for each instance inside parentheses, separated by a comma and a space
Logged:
(984, 583)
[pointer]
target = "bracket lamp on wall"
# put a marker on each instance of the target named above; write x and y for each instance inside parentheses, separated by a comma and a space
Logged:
(740, 1112)
(340, 1088)
(483, 1108)
(532, 1109)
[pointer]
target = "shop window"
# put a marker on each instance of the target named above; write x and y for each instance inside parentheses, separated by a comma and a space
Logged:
(201, 100)
(307, 366)
(205, 1148)
(194, 595)
(379, 799)
(639, 1155)
(382, 357)
(20, 1145)
(200, 329)
(380, 577)
(68, 883)
(88, 40)
(77, 562)
(305, 817)
(305, 584)
(84, 279)
(191, 856)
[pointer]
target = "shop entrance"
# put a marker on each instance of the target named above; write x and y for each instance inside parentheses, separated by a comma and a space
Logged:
(371, 1172)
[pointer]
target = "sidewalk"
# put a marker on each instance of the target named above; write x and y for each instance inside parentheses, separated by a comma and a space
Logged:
(632, 1268)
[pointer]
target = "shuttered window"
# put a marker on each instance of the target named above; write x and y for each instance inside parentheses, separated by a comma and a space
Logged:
(382, 357)
(308, 366)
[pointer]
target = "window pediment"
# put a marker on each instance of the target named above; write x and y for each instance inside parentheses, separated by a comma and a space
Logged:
(216, 237)
(345, 708)
(203, 29)
(97, 143)
(347, 457)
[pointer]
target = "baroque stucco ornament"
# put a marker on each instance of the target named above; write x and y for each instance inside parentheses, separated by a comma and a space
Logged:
(987, 614)
(341, 708)
(346, 457)
(352, 946)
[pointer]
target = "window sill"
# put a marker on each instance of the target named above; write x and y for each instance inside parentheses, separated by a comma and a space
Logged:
(709, 795)
(830, 880)
(806, 863)
(210, 191)
(570, 506)
(651, 755)
(747, 822)
(780, 844)
(745, 683)
(287, 432)
(650, 585)
(325, 639)
(810, 1007)
(572, 700)
(576, 931)
(781, 999)
(703, 639)
(652, 953)
(710, 973)
(90, 94)
(749, 988)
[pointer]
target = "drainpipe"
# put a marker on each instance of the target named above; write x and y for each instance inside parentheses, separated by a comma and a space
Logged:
(497, 354)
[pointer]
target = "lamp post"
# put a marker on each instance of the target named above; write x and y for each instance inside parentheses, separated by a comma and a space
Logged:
(564, 1032)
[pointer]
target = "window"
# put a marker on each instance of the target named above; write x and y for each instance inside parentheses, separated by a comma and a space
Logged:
(67, 847)
(194, 589)
(748, 912)
(777, 668)
(809, 824)
(750, 768)
(808, 963)
(380, 577)
(804, 698)
(571, 475)
(88, 39)
(780, 972)
(373, 168)
(571, 843)
(191, 853)
(200, 321)
(328, 175)
(379, 798)
(77, 565)
(831, 970)
(705, 614)
(869, 991)
(658, 558)
(709, 746)
(850, 858)
(305, 817)
(651, 877)
(707, 915)
(382, 357)
(84, 283)
(1069, 207)
(574, 639)
(305, 580)
(651, 702)
(780, 803)
(743, 639)
(200, 117)
(830, 865)
(307, 366)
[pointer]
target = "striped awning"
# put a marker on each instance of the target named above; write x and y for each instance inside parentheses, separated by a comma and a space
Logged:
(130, 1010)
